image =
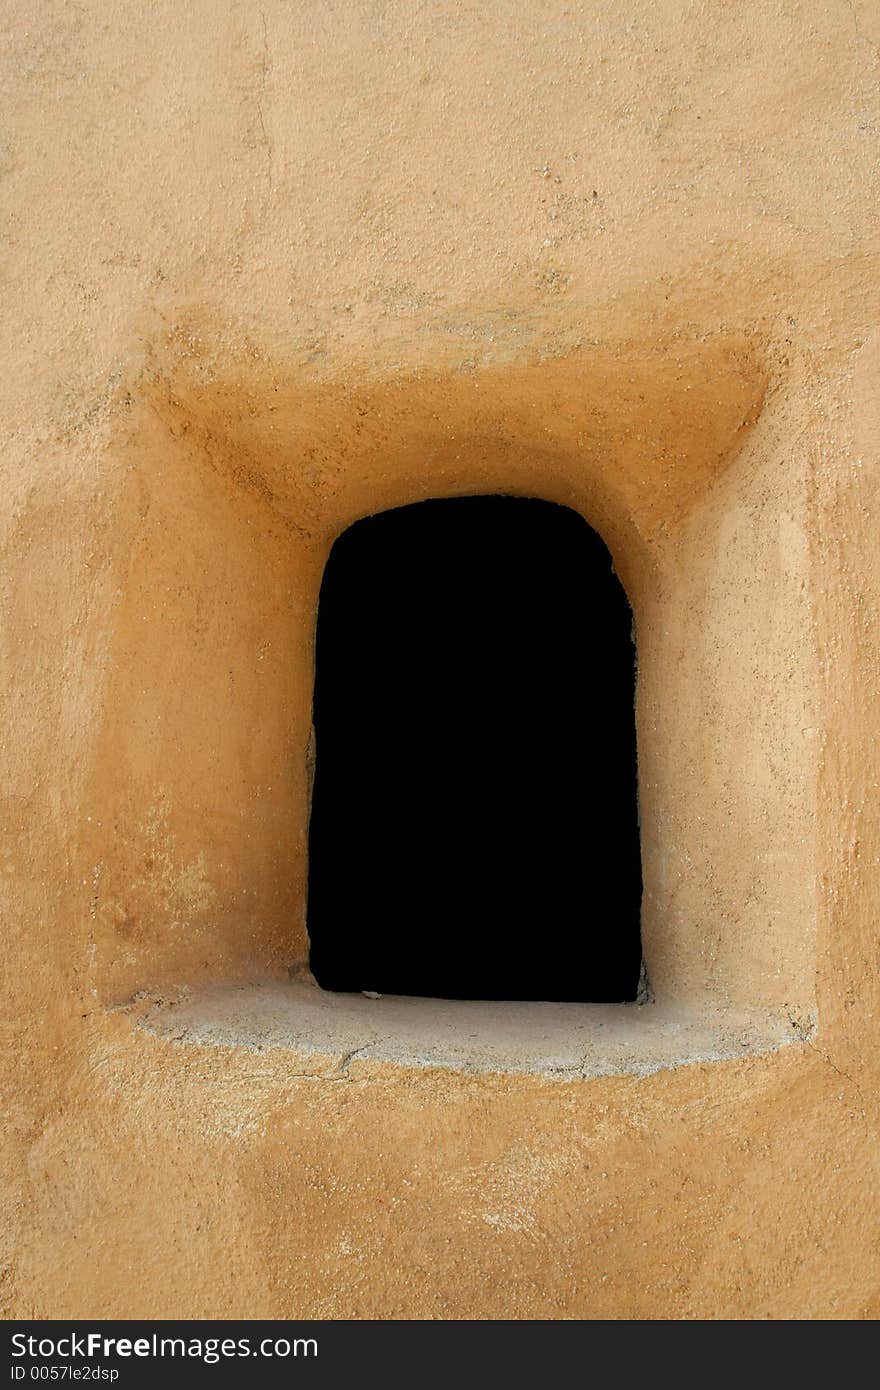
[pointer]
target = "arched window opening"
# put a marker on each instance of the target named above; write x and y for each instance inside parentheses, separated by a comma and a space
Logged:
(474, 820)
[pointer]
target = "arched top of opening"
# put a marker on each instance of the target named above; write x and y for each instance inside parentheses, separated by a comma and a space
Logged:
(516, 518)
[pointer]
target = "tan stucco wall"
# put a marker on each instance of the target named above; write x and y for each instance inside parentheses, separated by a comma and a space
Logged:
(269, 268)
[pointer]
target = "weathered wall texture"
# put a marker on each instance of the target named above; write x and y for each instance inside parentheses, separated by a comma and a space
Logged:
(269, 268)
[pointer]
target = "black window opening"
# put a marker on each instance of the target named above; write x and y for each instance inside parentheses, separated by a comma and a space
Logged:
(474, 819)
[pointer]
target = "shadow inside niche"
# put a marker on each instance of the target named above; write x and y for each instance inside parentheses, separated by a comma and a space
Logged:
(474, 824)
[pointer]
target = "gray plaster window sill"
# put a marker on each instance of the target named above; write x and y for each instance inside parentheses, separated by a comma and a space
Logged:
(335, 1035)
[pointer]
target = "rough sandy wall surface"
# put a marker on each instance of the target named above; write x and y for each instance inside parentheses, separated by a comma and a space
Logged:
(218, 218)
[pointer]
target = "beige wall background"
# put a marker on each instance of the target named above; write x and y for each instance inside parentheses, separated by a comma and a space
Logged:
(267, 268)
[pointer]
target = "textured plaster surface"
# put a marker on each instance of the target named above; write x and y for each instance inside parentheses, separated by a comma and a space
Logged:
(268, 268)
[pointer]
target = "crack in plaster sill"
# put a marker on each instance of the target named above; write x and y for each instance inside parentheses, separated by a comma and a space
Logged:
(351, 1056)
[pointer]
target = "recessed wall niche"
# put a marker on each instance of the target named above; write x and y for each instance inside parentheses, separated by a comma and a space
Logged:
(240, 485)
